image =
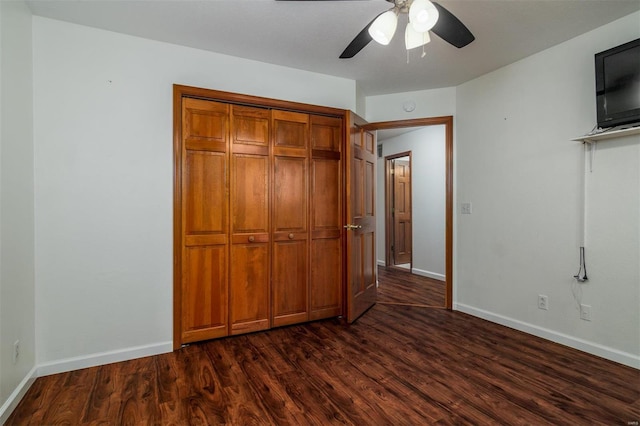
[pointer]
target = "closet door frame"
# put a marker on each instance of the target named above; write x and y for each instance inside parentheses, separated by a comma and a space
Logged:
(181, 92)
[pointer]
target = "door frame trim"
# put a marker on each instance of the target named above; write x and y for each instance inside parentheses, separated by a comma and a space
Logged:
(388, 205)
(447, 121)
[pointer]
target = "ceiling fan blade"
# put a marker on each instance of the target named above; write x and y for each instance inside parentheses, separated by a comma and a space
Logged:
(359, 42)
(450, 29)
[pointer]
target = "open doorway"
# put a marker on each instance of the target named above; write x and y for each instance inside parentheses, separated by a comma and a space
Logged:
(446, 123)
(398, 211)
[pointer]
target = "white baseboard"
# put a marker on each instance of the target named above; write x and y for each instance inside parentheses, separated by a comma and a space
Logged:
(19, 392)
(421, 272)
(611, 354)
(77, 363)
(428, 274)
(93, 360)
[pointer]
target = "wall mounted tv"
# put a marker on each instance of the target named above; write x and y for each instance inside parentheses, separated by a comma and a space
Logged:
(618, 85)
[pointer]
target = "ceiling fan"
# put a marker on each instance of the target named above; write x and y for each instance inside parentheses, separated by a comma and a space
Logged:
(423, 16)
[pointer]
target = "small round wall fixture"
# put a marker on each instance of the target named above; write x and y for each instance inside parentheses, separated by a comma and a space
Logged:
(409, 106)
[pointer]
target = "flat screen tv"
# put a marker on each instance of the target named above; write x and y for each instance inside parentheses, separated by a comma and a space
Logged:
(618, 85)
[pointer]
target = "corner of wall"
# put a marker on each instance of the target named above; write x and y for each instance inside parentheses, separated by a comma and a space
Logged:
(17, 266)
(18, 393)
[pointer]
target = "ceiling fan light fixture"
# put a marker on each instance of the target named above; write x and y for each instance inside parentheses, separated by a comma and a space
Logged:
(413, 38)
(423, 15)
(384, 27)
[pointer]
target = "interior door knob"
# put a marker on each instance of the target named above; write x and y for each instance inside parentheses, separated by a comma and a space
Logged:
(350, 227)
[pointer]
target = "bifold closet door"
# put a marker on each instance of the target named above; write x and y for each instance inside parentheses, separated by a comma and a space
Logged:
(205, 213)
(249, 299)
(258, 214)
(290, 217)
(326, 217)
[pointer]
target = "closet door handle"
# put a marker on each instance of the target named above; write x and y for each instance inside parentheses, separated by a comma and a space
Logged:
(252, 239)
(291, 236)
(350, 227)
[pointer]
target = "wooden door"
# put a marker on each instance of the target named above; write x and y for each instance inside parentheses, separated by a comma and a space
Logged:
(249, 298)
(360, 212)
(290, 217)
(205, 217)
(401, 211)
(326, 217)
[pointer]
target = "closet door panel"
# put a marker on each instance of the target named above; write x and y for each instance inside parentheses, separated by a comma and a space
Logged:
(204, 300)
(326, 241)
(326, 278)
(249, 292)
(290, 133)
(290, 236)
(250, 267)
(290, 206)
(205, 125)
(326, 133)
(326, 214)
(250, 194)
(290, 221)
(205, 220)
(326, 218)
(205, 193)
(290, 295)
(250, 126)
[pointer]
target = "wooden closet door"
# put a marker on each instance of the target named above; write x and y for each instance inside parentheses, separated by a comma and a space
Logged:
(205, 213)
(290, 217)
(249, 298)
(326, 217)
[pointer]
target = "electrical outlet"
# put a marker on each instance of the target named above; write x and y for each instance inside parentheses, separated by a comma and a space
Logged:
(585, 312)
(543, 302)
(466, 208)
(16, 351)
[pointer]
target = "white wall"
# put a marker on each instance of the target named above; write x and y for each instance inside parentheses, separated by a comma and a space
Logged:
(361, 102)
(427, 146)
(16, 205)
(104, 177)
(428, 103)
(517, 165)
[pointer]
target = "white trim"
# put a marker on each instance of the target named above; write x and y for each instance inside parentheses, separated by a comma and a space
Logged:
(428, 274)
(421, 272)
(611, 354)
(18, 393)
(93, 360)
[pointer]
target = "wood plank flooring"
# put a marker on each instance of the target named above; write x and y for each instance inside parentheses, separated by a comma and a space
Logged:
(398, 286)
(398, 365)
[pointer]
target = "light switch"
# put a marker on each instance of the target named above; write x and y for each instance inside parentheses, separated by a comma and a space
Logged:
(466, 208)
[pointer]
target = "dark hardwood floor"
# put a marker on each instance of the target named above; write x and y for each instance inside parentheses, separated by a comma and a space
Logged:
(398, 365)
(399, 286)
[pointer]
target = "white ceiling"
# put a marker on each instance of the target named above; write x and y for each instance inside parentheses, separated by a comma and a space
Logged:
(310, 35)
